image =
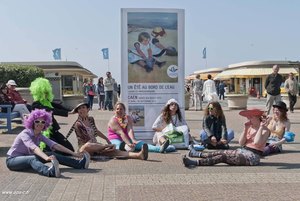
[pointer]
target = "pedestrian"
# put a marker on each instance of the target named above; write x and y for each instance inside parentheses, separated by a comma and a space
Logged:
(197, 90)
(291, 86)
(221, 90)
(109, 89)
(26, 154)
(100, 93)
(272, 85)
(209, 90)
(90, 92)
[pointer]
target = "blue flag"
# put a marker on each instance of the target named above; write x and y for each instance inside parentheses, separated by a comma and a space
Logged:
(57, 53)
(204, 53)
(105, 53)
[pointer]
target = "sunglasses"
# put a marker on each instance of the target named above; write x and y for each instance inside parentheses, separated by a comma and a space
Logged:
(210, 108)
(39, 122)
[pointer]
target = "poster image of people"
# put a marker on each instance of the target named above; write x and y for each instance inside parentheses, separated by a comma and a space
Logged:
(137, 113)
(152, 65)
(152, 47)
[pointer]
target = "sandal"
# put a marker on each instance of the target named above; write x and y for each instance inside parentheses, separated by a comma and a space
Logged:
(145, 151)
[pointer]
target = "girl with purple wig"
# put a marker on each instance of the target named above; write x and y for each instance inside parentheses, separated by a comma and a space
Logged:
(26, 154)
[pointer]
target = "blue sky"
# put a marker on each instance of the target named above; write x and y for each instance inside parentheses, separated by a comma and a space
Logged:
(232, 30)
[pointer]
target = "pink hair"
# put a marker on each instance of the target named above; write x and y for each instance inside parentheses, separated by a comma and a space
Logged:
(36, 114)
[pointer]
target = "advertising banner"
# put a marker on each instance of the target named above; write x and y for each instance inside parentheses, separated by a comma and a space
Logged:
(152, 65)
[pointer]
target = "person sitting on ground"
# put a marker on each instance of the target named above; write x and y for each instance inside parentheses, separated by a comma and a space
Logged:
(252, 140)
(215, 134)
(279, 124)
(170, 114)
(121, 134)
(14, 96)
(86, 132)
(26, 154)
(41, 91)
(4, 100)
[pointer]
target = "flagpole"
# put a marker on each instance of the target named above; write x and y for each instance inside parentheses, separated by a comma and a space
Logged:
(107, 64)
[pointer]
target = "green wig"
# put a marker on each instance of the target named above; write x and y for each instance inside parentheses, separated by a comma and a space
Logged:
(41, 91)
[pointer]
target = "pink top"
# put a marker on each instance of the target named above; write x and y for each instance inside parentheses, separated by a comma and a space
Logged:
(250, 141)
(112, 135)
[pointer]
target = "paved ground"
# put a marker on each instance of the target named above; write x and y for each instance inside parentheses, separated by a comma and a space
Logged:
(162, 177)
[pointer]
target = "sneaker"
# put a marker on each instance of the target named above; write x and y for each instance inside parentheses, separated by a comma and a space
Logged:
(188, 162)
(164, 146)
(85, 160)
(194, 153)
(54, 169)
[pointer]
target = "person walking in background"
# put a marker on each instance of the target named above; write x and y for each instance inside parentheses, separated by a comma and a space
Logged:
(272, 85)
(109, 89)
(100, 93)
(197, 90)
(221, 90)
(119, 91)
(209, 90)
(291, 86)
(90, 92)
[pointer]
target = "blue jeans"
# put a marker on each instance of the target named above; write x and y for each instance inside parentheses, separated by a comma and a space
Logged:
(203, 135)
(138, 146)
(90, 101)
(108, 100)
(36, 163)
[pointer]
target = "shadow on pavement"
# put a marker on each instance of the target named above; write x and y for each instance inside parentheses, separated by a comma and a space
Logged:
(282, 165)
(3, 151)
(78, 171)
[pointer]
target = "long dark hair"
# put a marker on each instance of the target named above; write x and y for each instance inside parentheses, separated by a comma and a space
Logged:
(219, 110)
(166, 113)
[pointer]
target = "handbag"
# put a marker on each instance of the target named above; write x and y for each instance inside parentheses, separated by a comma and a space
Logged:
(91, 93)
(174, 135)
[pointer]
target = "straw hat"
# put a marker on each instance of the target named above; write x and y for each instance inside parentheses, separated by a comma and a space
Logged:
(251, 112)
(158, 31)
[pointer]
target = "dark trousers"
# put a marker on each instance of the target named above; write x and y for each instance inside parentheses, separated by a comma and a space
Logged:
(108, 100)
(293, 100)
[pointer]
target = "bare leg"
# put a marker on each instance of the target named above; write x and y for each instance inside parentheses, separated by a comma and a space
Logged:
(109, 150)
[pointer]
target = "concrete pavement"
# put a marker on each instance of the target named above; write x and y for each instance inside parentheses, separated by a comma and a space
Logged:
(162, 177)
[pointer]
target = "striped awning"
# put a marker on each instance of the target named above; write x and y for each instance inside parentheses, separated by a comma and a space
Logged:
(251, 72)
